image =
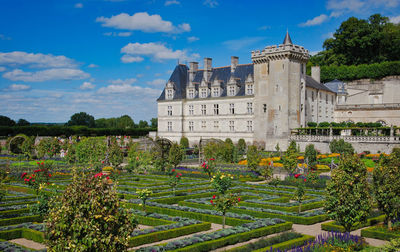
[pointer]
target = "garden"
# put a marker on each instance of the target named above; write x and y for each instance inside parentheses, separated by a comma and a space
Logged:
(116, 194)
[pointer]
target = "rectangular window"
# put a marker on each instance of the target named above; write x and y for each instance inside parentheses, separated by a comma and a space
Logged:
(249, 89)
(250, 108)
(169, 126)
(332, 99)
(203, 93)
(191, 110)
(216, 125)
(203, 109)
(170, 110)
(216, 109)
(203, 124)
(169, 94)
(265, 108)
(232, 126)
(191, 93)
(312, 96)
(215, 92)
(326, 97)
(232, 108)
(191, 126)
(306, 95)
(250, 126)
(232, 91)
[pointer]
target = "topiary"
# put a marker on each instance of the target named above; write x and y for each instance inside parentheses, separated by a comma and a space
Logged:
(184, 142)
(88, 217)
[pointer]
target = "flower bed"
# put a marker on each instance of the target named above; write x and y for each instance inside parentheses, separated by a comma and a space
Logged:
(380, 232)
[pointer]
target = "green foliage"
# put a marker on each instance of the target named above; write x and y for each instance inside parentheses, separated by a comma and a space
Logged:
(176, 154)
(144, 194)
(348, 193)
(253, 157)
(311, 155)
(340, 146)
(123, 122)
(138, 160)
(6, 121)
(23, 122)
(312, 124)
(392, 246)
(221, 182)
(300, 192)
(115, 155)
(184, 142)
(48, 147)
(143, 124)
(324, 124)
(154, 123)
(289, 160)
(82, 119)
(91, 150)
(223, 203)
(228, 150)
(174, 179)
(88, 217)
(209, 167)
(28, 146)
(386, 187)
(241, 146)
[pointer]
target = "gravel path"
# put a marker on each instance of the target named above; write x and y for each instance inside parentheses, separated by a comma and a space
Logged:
(28, 243)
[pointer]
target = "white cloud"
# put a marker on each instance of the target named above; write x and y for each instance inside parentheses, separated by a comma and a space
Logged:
(4, 37)
(2, 69)
(46, 75)
(93, 65)
(312, 53)
(142, 21)
(171, 2)
(78, 5)
(118, 34)
(211, 3)
(246, 42)
(395, 20)
(87, 86)
(156, 51)
(315, 21)
(35, 60)
(129, 90)
(18, 87)
(327, 35)
(359, 6)
(129, 81)
(157, 82)
(130, 59)
(139, 75)
(192, 39)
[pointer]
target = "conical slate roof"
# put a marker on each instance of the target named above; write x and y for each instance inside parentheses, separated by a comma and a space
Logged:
(287, 40)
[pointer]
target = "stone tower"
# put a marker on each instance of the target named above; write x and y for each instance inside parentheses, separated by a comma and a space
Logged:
(279, 77)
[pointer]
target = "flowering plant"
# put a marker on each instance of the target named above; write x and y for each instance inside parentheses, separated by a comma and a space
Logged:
(209, 166)
(221, 182)
(39, 176)
(299, 194)
(144, 194)
(223, 203)
(174, 179)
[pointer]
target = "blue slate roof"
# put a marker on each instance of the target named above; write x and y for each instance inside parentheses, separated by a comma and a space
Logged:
(180, 78)
(336, 86)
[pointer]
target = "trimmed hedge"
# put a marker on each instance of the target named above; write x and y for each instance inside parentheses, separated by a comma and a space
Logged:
(371, 71)
(374, 232)
(149, 221)
(168, 234)
(295, 219)
(332, 226)
(18, 220)
(26, 233)
(71, 130)
(192, 215)
(288, 244)
(16, 211)
(236, 238)
(304, 207)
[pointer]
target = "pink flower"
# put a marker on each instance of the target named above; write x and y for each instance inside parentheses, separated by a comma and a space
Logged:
(98, 175)
(180, 174)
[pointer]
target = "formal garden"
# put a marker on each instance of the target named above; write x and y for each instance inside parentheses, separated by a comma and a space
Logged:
(117, 194)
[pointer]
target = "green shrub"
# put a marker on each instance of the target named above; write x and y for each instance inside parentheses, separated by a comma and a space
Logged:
(184, 142)
(87, 217)
(340, 146)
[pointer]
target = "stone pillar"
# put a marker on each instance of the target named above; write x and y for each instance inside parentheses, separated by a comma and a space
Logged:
(330, 134)
(316, 73)
(234, 63)
(391, 139)
(207, 69)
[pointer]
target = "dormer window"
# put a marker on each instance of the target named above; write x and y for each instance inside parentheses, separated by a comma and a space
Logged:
(232, 90)
(170, 94)
(249, 89)
(215, 92)
(191, 93)
(203, 93)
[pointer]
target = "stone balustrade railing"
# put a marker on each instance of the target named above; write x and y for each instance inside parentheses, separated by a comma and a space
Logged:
(364, 139)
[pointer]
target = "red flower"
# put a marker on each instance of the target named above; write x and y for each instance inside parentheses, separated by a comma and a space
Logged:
(212, 159)
(297, 175)
(173, 170)
(177, 176)
(38, 163)
(98, 175)
(102, 162)
(49, 175)
(213, 196)
(239, 199)
(207, 167)
(42, 163)
(107, 177)
(26, 179)
(212, 202)
(180, 174)
(305, 180)
(23, 174)
(33, 180)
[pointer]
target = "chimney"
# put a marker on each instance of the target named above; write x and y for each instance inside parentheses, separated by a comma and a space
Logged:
(193, 67)
(207, 69)
(316, 73)
(234, 63)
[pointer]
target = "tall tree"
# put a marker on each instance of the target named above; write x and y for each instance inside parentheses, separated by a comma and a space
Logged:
(23, 122)
(6, 121)
(154, 122)
(82, 119)
(124, 122)
(143, 124)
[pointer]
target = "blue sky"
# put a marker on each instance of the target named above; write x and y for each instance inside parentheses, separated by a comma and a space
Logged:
(113, 57)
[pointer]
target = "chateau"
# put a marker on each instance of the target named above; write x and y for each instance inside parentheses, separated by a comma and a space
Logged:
(260, 102)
